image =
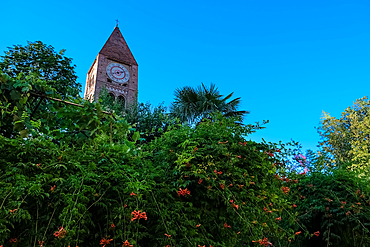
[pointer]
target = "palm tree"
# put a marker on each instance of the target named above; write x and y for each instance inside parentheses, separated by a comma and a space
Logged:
(193, 104)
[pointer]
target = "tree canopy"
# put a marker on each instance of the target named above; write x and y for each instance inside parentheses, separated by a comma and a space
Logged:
(193, 104)
(345, 141)
(41, 61)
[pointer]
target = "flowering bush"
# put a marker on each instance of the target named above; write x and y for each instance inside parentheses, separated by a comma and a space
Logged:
(70, 176)
(192, 186)
(332, 206)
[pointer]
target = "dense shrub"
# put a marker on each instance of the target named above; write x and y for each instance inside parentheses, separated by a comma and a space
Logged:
(333, 203)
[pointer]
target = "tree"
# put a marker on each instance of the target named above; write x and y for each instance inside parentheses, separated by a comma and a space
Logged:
(43, 62)
(150, 121)
(193, 104)
(345, 141)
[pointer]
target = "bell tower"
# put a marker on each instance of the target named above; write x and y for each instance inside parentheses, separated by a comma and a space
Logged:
(115, 68)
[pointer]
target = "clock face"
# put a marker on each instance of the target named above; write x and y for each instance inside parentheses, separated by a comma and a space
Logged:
(118, 72)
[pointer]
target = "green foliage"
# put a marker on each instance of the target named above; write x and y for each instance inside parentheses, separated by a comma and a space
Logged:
(151, 122)
(74, 175)
(230, 181)
(87, 187)
(30, 115)
(191, 105)
(109, 104)
(75, 178)
(42, 62)
(333, 204)
(345, 141)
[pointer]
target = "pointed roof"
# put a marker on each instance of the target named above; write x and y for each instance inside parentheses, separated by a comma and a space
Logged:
(117, 49)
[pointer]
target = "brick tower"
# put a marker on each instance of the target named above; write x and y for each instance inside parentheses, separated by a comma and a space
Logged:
(116, 68)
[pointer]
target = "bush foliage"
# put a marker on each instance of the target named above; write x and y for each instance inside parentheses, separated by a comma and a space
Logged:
(72, 174)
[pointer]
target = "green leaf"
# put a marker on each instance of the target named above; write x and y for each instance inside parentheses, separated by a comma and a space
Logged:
(15, 95)
(136, 136)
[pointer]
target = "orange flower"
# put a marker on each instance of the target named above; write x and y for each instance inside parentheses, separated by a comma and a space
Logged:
(316, 233)
(200, 181)
(184, 192)
(52, 188)
(126, 243)
(226, 225)
(262, 242)
(13, 240)
(251, 182)
(285, 190)
(297, 233)
(239, 156)
(195, 149)
(198, 225)
(230, 185)
(294, 206)
(222, 186)
(60, 233)
(41, 243)
(167, 235)
(138, 215)
(13, 211)
(279, 219)
(132, 194)
(104, 241)
(112, 225)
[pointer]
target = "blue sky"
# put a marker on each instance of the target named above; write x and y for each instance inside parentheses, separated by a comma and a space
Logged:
(287, 60)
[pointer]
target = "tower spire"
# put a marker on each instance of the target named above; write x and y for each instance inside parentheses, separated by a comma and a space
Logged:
(117, 23)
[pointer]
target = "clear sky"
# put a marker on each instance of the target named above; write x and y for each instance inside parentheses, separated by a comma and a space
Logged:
(287, 60)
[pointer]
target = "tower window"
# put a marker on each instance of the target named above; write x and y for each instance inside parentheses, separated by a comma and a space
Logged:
(121, 100)
(111, 96)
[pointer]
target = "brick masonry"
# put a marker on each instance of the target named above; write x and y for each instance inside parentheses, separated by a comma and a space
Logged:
(115, 50)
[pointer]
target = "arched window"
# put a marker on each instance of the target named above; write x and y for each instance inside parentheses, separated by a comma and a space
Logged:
(121, 100)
